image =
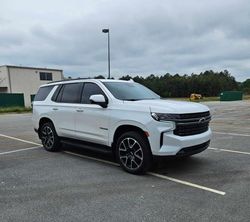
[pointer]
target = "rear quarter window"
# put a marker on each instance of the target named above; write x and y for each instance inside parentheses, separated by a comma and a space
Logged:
(42, 93)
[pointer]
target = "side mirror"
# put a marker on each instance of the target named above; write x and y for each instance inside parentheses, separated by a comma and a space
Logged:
(99, 100)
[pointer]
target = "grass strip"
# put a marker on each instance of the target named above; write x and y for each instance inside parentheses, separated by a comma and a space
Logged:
(15, 109)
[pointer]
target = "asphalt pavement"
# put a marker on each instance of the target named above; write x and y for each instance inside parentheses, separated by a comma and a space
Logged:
(78, 185)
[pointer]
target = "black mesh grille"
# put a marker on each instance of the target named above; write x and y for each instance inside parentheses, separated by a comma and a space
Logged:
(193, 149)
(194, 115)
(192, 124)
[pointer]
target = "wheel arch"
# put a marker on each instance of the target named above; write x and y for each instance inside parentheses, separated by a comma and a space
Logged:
(126, 128)
(42, 121)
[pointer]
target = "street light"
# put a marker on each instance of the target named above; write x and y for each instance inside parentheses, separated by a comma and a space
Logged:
(107, 31)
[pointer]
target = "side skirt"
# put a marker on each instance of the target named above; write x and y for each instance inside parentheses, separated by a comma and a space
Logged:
(87, 145)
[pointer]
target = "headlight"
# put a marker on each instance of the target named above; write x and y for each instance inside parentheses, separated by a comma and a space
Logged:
(155, 116)
(168, 119)
(165, 116)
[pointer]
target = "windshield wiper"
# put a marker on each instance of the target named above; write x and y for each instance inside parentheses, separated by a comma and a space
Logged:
(151, 98)
(139, 99)
(132, 99)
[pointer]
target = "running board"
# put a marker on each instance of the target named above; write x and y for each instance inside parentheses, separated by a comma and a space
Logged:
(86, 145)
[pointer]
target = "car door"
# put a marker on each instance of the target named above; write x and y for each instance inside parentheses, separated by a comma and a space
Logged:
(65, 107)
(92, 121)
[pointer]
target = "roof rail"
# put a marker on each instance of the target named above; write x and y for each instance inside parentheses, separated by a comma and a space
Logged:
(65, 80)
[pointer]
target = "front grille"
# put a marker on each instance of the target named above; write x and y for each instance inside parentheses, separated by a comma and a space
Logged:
(194, 115)
(192, 123)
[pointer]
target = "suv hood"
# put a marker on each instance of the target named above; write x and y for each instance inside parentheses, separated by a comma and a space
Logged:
(171, 106)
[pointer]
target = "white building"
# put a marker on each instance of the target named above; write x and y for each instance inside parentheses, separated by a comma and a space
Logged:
(26, 80)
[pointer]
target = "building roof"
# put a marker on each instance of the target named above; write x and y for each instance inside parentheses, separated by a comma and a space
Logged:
(28, 67)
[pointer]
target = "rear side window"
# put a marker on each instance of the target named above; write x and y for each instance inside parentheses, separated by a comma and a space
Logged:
(70, 93)
(42, 93)
(90, 89)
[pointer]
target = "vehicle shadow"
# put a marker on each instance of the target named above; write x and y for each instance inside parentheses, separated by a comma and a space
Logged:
(162, 165)
(177, 165)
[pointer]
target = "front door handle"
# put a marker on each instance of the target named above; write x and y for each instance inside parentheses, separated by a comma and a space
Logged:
(79, 110)
(55, 109)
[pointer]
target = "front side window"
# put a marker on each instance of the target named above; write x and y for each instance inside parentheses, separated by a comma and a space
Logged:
(130, 91)
(46, 76)
(90, 89)
(70, 93)
(42, 93)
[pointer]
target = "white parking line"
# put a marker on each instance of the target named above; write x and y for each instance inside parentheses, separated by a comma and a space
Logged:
(155, 175)
(187, 183)
(14, 138)
(231, 134)
(230, 151)
(20, 150)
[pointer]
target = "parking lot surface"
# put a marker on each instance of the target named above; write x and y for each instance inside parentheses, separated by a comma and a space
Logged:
(78, 185)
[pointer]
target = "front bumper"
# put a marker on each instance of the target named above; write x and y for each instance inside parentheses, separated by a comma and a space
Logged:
(191, 150)
(183, 145)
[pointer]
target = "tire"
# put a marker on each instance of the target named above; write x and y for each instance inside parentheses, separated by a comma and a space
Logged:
(133, 152)
(49, 137)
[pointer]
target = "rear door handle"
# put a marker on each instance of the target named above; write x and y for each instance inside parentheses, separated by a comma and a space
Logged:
(55, 109)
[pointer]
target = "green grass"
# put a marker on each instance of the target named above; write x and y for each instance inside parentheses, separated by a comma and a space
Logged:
(14, 110)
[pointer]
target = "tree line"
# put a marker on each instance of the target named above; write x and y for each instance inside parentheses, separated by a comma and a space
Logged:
(208, 83)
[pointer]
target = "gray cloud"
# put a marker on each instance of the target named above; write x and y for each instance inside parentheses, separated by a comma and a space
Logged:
(146, 36)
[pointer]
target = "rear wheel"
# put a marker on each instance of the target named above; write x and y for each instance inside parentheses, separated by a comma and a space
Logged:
(133, 152)
(49, 138)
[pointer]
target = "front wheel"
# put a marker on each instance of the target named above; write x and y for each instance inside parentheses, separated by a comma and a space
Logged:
(49, 138)
(133, 152)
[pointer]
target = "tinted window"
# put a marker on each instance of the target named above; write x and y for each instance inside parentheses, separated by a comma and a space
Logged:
(89, 90)
(42, 93)
(70, 93)
(130, 91)
(46, 76)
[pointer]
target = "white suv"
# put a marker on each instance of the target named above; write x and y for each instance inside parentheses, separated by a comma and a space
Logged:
(122, 117)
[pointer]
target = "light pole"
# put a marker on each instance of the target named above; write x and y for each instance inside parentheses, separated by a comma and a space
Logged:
(107, 31)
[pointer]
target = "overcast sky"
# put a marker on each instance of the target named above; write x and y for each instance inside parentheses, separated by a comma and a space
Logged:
(155, 36)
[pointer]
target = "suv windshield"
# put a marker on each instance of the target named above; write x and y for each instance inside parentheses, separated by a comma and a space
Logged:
(130, 91)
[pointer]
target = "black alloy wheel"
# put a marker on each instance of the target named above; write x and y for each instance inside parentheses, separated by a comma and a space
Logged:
(49, 138)
(133, 152)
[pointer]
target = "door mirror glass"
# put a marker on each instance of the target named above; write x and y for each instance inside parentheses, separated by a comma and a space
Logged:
(99, 100)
